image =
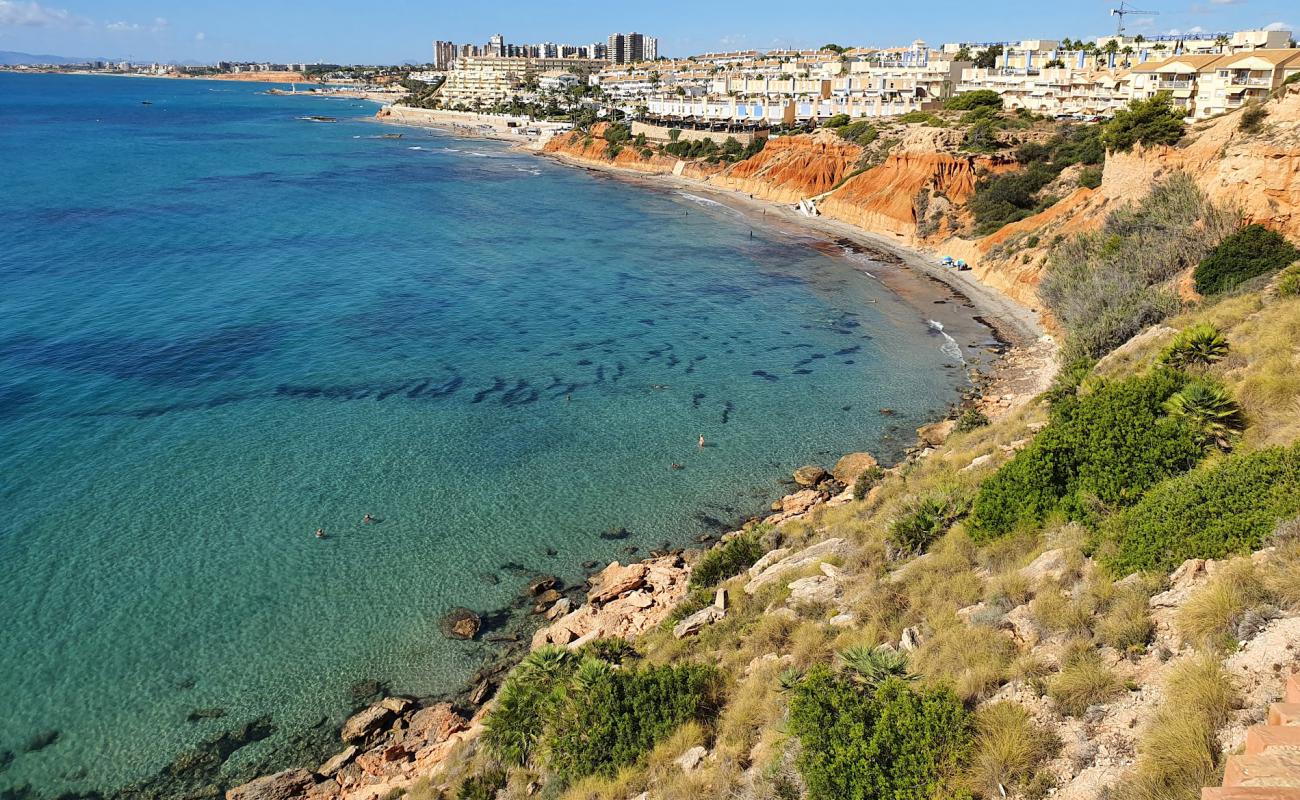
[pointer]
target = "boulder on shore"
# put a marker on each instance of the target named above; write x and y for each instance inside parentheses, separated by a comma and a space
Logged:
(848, 468)
(936, 433)
(461, 623)
(366, 722)
(288, 785)
(810, 476)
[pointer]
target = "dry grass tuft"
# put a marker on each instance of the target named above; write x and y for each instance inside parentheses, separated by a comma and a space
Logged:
(1083, 681)
(1126, 623)
(975, 664)
(1009, 748)
(1209, 617)
(1179, 752)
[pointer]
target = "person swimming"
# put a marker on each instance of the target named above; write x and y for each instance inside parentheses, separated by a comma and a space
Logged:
(367, 519)
(701, 440)
(320, 533)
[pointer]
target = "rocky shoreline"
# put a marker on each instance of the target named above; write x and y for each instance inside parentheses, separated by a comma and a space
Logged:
(393, 741)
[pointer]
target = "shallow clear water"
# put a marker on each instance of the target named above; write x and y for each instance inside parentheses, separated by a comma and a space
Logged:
(222, 328)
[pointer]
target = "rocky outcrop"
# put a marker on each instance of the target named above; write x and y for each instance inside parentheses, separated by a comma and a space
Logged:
(288, 785)
(460, 623)
(781, 562)
(624, 601)
(792, 168)
(594, 149)
(849, 467)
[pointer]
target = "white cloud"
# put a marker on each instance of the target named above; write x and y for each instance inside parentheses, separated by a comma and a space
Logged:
(1279, 26)
(1227, 2)
(1193, 31)
(34, 15)
(157, 26)
(200, 36)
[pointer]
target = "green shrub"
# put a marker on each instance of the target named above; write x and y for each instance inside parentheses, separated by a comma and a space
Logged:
(1090, 178)
(611, 718)
(1288, 284)
(981, 98)
(483, 787)
(1252, 118)
(729, 558)
(921, 116)
(1227, 507)
(1197, 346)
(971, 419)
(922, 520)
(1109, 446)
(861, 132)
(1249, 253)
(1106, 286)
(895, 742)
(837, 121)
(872, 666)
(867, 481)
(1148, 122)
(1209, 411)
(534, 689)
(1008, 197)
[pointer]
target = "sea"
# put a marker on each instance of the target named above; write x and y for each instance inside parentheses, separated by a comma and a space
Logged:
(224, 327)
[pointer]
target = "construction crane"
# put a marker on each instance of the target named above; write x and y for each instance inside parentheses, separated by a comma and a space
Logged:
(1123, 11)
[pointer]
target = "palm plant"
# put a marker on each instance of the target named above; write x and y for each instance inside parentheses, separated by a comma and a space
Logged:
(873, 665)
(1198, 346)
(1209, 410)
(789, 678)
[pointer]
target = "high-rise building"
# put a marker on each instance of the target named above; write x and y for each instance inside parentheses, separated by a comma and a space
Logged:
(496, 46)
(628, 48)
(616, 48)
(444, 55)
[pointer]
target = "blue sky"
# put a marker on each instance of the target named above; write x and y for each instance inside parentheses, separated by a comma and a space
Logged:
(392, 31)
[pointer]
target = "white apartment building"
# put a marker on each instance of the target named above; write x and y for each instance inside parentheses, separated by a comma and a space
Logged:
(487, 80)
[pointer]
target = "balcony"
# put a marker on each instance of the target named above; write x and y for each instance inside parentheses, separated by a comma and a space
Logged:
(1180, 83)
(1251, 80)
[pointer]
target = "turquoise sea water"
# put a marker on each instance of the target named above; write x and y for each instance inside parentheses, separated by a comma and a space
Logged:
(222, 328)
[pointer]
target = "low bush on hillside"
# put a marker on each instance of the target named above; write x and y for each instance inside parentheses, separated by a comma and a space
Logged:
(1195, 347)
(1249, 253)
(1288, 284)
(1178, 752)
(895, 741)
(1146, 122)
(981, 98)
(729, 558)
(924, 519)
(922, 116)
(482, 787)
(1252, 118)
(611, 718)
(1012, 196)
(1225, 508)
(578, 715)
(1212, 616)
(1209, 411)
(861, 133)
(971, 419)
(1090, 178)
(1106, 286)
(1109, 446)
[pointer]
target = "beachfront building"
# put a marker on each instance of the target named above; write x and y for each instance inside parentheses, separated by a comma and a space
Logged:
(483, 81)
(631, 48)
(1057, 91)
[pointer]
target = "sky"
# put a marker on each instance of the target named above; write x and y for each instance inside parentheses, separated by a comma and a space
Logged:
(397, 31)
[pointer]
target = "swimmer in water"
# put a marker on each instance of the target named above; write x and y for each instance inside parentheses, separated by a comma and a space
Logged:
(367, 519)
(701, 440)
(320, 533)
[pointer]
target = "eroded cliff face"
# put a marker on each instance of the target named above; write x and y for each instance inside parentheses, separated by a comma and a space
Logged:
(792, 168)
(594, 150)
(1257, 173)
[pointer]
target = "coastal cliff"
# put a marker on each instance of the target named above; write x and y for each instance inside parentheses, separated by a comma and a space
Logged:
(1089, 593)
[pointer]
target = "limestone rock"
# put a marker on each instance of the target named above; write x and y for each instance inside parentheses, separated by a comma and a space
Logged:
(616, 581)
(800, 502)
(288, 785)
(1051, 565)
(460, 623)
(936, 433)
(562, 606)
(365, 723)
(810, 475)
(434, 724)
(977, 462)
(848, 468)
(338, 761)
(691, 758)
(816, 590)
(697, 621)
(911, 639)
(396, 704)
(775, 571)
